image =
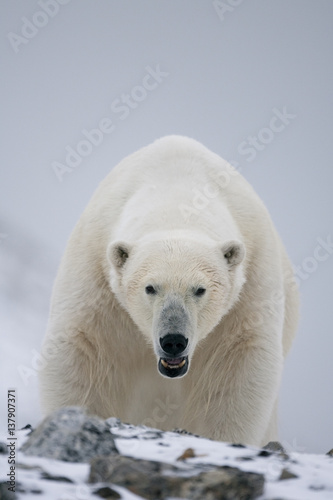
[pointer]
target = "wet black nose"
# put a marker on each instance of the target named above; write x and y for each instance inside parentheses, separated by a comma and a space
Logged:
(173, 344)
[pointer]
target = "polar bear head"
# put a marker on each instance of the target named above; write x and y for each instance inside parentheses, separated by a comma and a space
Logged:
(176, 291)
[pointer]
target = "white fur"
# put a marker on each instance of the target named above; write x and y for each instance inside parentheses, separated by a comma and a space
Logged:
(174, 208)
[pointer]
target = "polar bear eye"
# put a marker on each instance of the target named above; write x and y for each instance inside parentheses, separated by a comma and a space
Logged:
(150, 290)
(200, 292)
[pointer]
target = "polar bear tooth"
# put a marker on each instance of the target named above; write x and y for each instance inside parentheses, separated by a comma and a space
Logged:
(172, 367)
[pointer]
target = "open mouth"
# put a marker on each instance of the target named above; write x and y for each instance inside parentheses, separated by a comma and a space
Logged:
(173, 367)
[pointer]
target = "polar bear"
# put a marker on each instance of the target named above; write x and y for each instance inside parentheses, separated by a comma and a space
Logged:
(175, 303)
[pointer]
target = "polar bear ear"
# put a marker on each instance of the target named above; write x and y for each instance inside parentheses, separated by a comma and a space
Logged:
(118, 253)
(233, 252)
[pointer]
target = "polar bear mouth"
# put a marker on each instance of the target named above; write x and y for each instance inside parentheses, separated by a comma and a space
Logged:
(173, 363)
(173, 367)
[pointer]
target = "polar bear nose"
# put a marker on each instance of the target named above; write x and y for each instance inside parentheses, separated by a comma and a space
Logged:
(173, 343)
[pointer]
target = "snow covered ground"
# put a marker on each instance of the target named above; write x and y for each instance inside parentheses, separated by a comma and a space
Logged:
(314, 473)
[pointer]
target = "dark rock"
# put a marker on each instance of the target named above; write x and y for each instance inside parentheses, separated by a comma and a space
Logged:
(107, 492)
(6, 494)
(27, 427)
(275, 447)
(184, 432)
(72, 436)
(52, 477)
(104, 468)
(188, 453)
(237, 445)
(317, 487)
(3, 448)
(27, 490)
(330, 453)
(43, 473)
(286, 474)
(264, 453)
(158, 480)
(223, 483)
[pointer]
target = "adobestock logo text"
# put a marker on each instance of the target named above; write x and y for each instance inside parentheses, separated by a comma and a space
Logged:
(122, 107)
(30, 27)
(277, 124)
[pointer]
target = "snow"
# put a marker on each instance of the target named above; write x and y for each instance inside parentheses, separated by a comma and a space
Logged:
(314, 481)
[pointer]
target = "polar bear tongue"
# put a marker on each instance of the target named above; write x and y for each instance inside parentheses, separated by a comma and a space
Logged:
(175, 361)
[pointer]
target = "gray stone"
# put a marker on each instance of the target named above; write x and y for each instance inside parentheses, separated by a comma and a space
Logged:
(3, 448)
(107, 492)
(52, 477)
(28, 490)
(6, 494)
(286, 474)
(158, 480)
(264, 453)
(27, 427)
(274, 446)
(184, 432)
(69, 434)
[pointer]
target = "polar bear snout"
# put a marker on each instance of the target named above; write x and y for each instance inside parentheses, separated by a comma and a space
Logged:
(173, 341)
(173, 361)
